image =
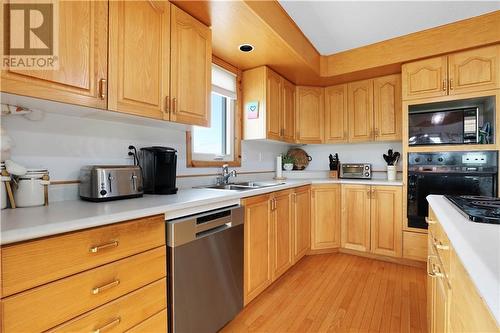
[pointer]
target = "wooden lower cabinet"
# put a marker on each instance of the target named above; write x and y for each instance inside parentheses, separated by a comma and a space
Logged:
(156, 323)
(325, 217)
(282, 241)
(301, 222)
(355, 227)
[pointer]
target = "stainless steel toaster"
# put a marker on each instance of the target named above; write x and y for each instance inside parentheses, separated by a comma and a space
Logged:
(110, 182)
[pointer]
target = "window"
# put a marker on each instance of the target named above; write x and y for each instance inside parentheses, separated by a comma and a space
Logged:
(219, 143)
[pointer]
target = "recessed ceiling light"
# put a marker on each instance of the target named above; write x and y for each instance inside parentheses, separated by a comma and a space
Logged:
(246, 48)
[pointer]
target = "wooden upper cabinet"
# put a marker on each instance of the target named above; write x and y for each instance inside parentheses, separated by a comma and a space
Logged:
(309, 112)
(355, 229)
(83, 43)
(301, 222)
(274, 105)
(139, 51)
(425, 78)
(386, 220)
(387, 108)
(282, 233)
(474, 70)
(288, 113)
(336, 116)
(325, 217)
(360, 106)
(257, 246)
(191, 69)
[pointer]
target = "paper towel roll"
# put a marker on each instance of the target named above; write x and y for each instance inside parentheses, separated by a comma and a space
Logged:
(279, 168)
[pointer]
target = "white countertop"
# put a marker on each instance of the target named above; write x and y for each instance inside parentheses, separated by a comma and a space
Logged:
(478, 247)
(23, 224)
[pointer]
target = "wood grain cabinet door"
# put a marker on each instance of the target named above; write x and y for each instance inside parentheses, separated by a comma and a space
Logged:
(325, 217)
(257, 246)
(301, 222)
(191, 69)
(336, 116)
(309, 114)
(355, 217)
(387, 108)
(139, 56)
(425, 78)
(386, 220)
(82, 57)
(282, 233)
(288, 114)
(274, 105)
(360, 106)
(474, 70)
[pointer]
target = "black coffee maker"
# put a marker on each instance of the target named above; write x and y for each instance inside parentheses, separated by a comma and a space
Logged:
(159, 169)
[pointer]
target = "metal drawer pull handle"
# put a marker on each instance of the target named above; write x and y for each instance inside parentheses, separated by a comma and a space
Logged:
(100, 289)
(429, 221)
(437, 273)
(442, 247)
(109, 325)
(97, 248)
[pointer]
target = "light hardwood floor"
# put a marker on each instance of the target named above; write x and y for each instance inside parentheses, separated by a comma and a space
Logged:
(339, 293)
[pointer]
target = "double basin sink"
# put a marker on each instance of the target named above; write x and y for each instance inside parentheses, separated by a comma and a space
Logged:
(242, 186)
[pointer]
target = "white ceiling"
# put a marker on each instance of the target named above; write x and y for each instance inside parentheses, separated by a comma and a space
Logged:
(335, 26)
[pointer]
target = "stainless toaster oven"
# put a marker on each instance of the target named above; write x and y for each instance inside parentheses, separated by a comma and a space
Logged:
(356, 170)
(110, 182)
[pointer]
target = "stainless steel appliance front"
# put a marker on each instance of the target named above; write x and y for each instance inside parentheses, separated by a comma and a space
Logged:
(205, 266)
(356, 170)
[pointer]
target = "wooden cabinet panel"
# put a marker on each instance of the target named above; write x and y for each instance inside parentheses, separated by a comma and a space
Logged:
(56, 302)
(139, 57)
(257, 247)
(425, 78)
(274, 105)
(356, 217)
(282, 233)
(309, 113)
(360, 108)
(336, 116)
(325, 217)
(130, 309)
(414, 245)
(288, 113)
(440, 307)
(474, 70)
(156, 323)
(387, 108)
(82, 58)
(191, 69)
(386, 220)
(29, 264)
(302, 222)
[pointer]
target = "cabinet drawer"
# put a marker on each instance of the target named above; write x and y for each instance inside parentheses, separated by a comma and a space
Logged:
(414, 246)
(154, 324)
(49, 305)
(123, 313)
(442, 247)
(33, 263)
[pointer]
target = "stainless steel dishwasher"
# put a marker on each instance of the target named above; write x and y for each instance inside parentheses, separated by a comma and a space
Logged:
(205, 263)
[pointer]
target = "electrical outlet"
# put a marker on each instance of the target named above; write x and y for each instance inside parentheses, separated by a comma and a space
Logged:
(261, 156)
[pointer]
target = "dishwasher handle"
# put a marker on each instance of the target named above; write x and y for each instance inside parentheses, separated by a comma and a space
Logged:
(213, 224)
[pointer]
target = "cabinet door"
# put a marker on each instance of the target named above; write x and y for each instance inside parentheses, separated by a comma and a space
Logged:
(191, 70)
(336, 123)
(474, 70)
(139, 49)
(387, 108)
(288, 114)
(440, 312)
(282, 233)
(424, 78)
(301, 222)
(82, 59)
(274, 105)
(309, 115)
(360, 106)
(356, 217)
(386, 220)
(257, 246)
(325, 217)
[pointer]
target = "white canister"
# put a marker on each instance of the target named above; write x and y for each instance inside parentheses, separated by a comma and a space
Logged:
(29, 191)
(391, 172)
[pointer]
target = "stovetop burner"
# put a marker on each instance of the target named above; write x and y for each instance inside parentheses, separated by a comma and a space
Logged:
(478, 208)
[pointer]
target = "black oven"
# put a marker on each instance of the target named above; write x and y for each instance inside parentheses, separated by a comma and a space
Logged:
(452, 173)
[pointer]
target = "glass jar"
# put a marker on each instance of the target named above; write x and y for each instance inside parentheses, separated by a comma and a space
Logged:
(29, 191)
